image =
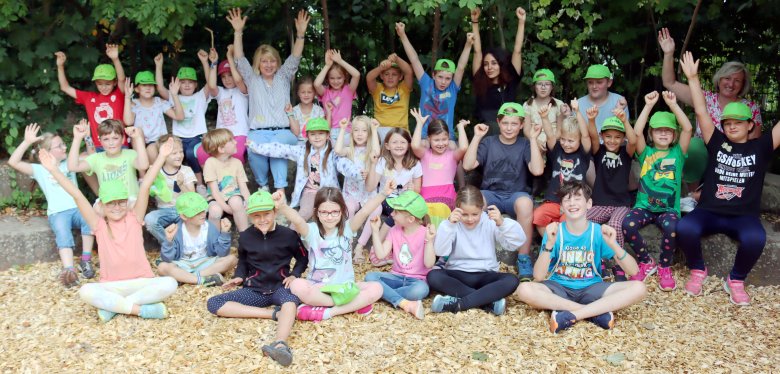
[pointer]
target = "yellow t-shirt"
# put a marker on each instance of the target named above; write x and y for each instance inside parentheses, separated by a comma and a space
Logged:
(391, 106)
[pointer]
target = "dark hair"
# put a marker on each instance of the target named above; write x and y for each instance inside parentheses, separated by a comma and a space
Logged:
(438, 126)
(470, 195)
(333, 195)
(307, 79)
(481, 80)
(574, 186)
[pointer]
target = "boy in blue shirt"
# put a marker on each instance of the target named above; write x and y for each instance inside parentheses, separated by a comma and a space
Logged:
(566, 274)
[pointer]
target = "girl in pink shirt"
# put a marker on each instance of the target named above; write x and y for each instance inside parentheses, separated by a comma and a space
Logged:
(337, 93)
(127, 284)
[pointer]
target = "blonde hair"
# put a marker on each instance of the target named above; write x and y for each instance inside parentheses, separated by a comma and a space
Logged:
(111, 126)
(165, 138)
(350, 150)
(729, 68)
(43, 144)
(214, 139)
(570, 126)
(265, 50)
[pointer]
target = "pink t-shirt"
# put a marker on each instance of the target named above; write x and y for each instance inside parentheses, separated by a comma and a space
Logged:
(100, 108)
(342, 104)
(438, 170)
(122, 254)
(408, 252)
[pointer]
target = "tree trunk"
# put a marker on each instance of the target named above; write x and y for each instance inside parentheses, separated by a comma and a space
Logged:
(690, 30)
(436, 34)
(391, 34)
(325, 24)
(500, 23)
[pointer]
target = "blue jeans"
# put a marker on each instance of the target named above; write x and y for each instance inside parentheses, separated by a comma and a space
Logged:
(157, 220)
(62, 223)
(397, 287)
(259, 164)
(190, 146)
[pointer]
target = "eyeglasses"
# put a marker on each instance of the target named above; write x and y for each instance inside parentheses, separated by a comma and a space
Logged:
(332, 213)
(543, 84)
(117, 203)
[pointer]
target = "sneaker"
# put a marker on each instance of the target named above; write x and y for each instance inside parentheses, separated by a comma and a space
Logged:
(310, 313)
(153, 311)
(213, 280)
(68, 277)
(695, 281)
(618, 275)
(561, 320)
(665, 279)
(440, 301)
(87, 270)
(687, 204)
(736, 291)
(525, 268)
(646, 269)
(105, 315)
(605, 320)
(265, 188)
(279, 352)
(497, 307)
(366, 310)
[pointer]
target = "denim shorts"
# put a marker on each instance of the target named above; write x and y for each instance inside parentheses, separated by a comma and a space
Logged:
(503, 200)
(62, 223)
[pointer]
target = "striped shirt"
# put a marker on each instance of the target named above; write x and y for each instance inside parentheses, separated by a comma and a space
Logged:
(267, 102)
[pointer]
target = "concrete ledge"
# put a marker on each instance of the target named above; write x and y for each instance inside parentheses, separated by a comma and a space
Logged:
(27, 242)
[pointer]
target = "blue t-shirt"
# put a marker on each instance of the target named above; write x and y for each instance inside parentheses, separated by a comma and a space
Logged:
(605, 110)
(437, 104)
(57, 199)
(575, 261)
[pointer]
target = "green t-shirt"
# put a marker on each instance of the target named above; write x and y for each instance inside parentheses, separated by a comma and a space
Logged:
(119, 167)
(659, 179)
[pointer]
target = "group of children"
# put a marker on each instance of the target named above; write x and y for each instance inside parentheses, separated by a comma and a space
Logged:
(399, 188)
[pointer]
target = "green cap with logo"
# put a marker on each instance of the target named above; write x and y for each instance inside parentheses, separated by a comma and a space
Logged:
(112, 190)
(144, 77)
(663, 120)
(440, 65)
(544, 75)
(260, 201)
(737, 110)
(104, 72)
(187, 73)
(613, 123)
(598, 72)
(190, 204)
(411, 202)
(518, 110)
(160, 189)
(317, 124)
(342, 293)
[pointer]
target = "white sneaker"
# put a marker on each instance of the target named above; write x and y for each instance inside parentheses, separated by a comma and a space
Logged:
(687, 204)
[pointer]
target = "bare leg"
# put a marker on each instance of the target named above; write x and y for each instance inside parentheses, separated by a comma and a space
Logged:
(181, 275)
(370, 292)
(215, 213)
(221, 266)
(87, 242)
(285, 321)
(66, 256)
(236, 203)
(539, 296)
(233, 309)
(618, 296)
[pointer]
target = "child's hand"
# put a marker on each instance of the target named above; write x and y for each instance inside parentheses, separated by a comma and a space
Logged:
(544, 110)
(651, 98)
(463, 123)
(286, 282)
(213, 55)
(575, 106)
(128, 88)
(565, 110)
(158, 60)
(593, 112)
(389, 187)
(174, 86)
(430, 234)
(665, 41)
(619, 113)
(229, 53)
(301, 22)
(288, 108)
(165, 149)
(235, 19)
(343, 123)
(520, 12)
(608, 233)
(622, 103)
(203, 56)
(480, 130)
(279, 199)
(375, 124)
(385, 64)
(81, 130)
(224, 225)
(470, 38)
(418, 116)
(374, 159)
(552, 231)
(61, 58)
(689, 66)
(170, 231)
(134, 132)
(455, 216)
(31, 133)
(329, 57)
(670, 98)
(47, 160)
(232, 283)
(376, 223)
(335, 55)
(535, 131)
(393, 58)
(495, 215)
(329, 107)
(475, 14)
(400, 28)
(112, 51)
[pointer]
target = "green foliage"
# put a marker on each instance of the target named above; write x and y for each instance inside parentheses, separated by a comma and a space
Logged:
(22, 198)
(165, 19)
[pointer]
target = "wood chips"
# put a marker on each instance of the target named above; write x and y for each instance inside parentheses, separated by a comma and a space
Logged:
(46, 327)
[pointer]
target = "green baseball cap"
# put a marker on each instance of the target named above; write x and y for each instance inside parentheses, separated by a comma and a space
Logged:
(598, 72)
(544, 75)
(187, 73)
(104, 72)
(440, 65)
(144, 77)
(112, 190)
(190, 204)
(342, 293)
(160, 189)
(663, 119)
(613, 123)
(411, 202)
(317, 124)
(737, 110)
(519, 111)
(260, 201)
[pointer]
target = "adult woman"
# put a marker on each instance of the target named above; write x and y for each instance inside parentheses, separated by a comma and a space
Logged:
(269, 93)
(495, 75)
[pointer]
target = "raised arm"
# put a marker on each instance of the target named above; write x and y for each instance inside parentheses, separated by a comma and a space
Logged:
(406, 70)
(419, 146)
(237, 78)
(61, 77)
(361, 215)
(87, 212)
(80, 131)
(536, 165)
(30, 137)
(552, 135)
(298, 223)
(301, 22)
(669, 78)
(691, 70)
(631, 136)
(373, 177)
(584, 138)
(112, 51)
(211, 73)
(542, 264)
(354, 74)
(143, 191)
(139, 146)
(158, 76)
(381, 248)
(470, 158)
(464, 59)
(476, 61)
(203, 56)
(320, 79)
(295, 125)
(238, 23)
(593, 133)
(339, 146)
(517, 52)
(650, 100)
(177, 112)
(128, 116)
(414, 60)
(686, 129)
(374, 73)
(626, 262)
(463, 140)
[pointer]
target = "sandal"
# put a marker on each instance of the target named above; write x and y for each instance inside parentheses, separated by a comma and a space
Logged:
(68, 277)
(282, 355)
(377, 262)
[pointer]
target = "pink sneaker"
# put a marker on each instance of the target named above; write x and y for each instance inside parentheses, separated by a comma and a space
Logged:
(366, 310)
(310, 313)
(736, 290)
(665, 279)
(646, 269)
(695, 282)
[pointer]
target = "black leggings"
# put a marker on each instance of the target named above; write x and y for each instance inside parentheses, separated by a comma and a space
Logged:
(473, 289)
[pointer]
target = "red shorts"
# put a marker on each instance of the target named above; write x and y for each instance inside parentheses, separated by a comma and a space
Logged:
(548, 213)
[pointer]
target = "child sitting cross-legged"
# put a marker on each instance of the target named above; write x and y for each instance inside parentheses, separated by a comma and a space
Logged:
(567, 272)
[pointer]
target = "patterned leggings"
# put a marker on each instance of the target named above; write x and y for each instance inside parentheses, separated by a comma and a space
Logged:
(666, 222)
(612, 216)
(120, 296)
(250, 297)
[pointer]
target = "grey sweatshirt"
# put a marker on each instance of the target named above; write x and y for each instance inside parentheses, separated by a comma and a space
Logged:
(474, 250)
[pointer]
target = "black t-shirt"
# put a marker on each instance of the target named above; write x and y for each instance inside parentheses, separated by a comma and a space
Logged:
(264, 259)
(565, 167)
(496, 95)
(504, 166)
(612, 173)
(734, 177)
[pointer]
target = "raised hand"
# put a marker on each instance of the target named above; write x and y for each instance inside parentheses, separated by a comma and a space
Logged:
(61, 58)
(166, 148)
(132, 132)
(329, 57)
(279, 200)
(235, 19)
(375, 124)
(535, 131)
(47, 160)
(475, 14)
(480, 130)
(463, 123)
(393, 58)
(565, 110)
(376, 223)
(81, 129)
(456, 215)
(495, 215)
(173, 87)
(651, 98)
(343, 123)
(575, 105)
(670, 98)
(158, 60)
(301, 22)
(335, 55)
(552, 231)
(470, 38)
(385, 64)
(544, 110)
(430, 233)
(203, 56)
(622, 103)
(665, 41)
(593, 112)
(229, 53)
(619, 113)
(329, 107)
(400, 28)
(128, 86)
(608, 233)
(213, 55)
(520, 12)
(224, 225)
(418, 115)
(288, 108)
(31, 133)
(689, 66)
(170, 231)
(112, 51)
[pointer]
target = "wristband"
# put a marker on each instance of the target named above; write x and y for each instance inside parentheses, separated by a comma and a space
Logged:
(290, 115)
(474, 21)
(625, 253)
(213, 65)
(548, 250)
(300, 37)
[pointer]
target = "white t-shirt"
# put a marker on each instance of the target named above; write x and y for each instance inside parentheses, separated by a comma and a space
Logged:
(233, 111)
(151, 119)
(403, 177)
(194, 122)
(194, 247)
